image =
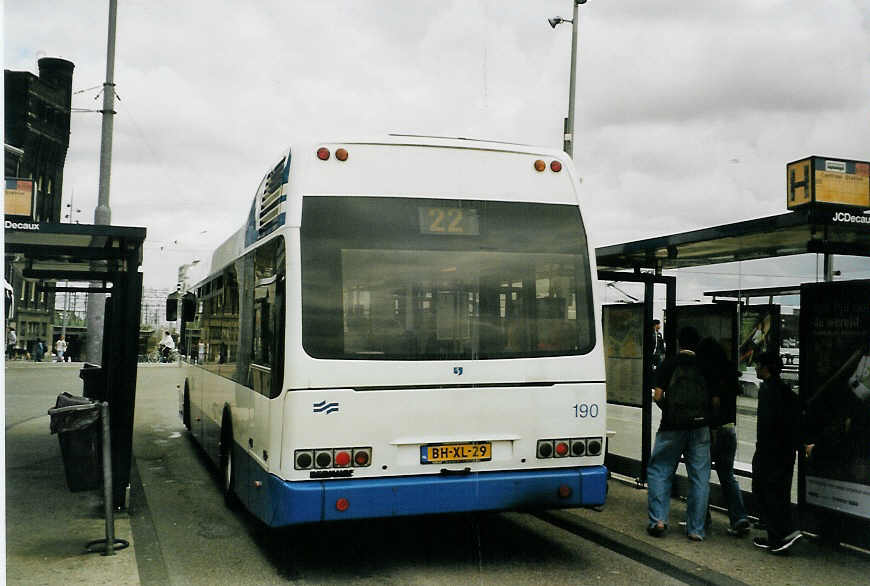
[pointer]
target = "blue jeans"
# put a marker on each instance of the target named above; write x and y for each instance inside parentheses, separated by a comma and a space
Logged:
(694, 444)
(723, 454)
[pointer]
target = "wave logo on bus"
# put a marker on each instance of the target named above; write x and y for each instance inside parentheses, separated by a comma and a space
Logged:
(324, 407)
(457, 370)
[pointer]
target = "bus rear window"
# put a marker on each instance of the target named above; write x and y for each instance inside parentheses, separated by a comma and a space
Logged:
(423, 279)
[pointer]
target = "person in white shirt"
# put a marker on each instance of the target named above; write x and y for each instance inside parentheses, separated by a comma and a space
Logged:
(60, 348)
(167, 345)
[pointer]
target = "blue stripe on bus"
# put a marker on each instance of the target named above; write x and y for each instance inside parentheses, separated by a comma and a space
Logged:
(280, 503)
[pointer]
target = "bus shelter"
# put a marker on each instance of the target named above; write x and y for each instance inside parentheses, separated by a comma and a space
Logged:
(109, 259)
(819, 230)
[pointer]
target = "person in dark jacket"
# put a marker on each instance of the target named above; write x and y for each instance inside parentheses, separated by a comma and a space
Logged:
(690, 439)
(777, 439)
(722, 377)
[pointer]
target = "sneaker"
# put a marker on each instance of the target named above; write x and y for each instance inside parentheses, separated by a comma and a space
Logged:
(657, 530)
(695, 537)
(786, 543)
(740, 528)
(761, 543)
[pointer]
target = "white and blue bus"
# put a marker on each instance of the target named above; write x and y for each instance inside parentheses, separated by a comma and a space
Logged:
(403, 326)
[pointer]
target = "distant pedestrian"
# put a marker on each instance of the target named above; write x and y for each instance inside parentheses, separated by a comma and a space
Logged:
(11, 341)
(659, 348)
(722, 376)
(684, 398)
(201, 352)
(777, 439)
(38, 351)
(60, 348)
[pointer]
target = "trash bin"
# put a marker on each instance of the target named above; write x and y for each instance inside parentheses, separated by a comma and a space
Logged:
(94, 381)
(80, 443)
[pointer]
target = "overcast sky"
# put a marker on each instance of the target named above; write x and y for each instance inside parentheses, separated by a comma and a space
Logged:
(687, 112)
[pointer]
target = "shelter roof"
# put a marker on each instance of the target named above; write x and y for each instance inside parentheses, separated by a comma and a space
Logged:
(820, 230)
(69, 251)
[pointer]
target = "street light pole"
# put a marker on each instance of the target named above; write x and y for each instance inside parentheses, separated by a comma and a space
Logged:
(569, 131)
(569, 121)
(103, 214)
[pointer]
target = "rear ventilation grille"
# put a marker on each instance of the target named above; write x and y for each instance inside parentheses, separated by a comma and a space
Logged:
(271, 205)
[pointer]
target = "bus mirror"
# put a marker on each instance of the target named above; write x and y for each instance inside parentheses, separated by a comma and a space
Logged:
(171, 308)
(188, 307)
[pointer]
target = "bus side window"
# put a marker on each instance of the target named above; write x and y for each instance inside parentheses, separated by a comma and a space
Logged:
(267, 316)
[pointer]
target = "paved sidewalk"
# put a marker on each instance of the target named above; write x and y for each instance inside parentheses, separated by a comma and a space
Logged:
(47, 526)
(721, 558)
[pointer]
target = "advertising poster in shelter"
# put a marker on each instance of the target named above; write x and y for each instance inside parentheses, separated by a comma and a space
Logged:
(623, 353)
(759, 332)
(835, 389)
(717, 320)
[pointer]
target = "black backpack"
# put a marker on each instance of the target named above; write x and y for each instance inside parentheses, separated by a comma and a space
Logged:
(686, 404)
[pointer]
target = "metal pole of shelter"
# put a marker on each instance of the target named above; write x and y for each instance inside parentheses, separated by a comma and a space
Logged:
(648, 379)
(107, 479)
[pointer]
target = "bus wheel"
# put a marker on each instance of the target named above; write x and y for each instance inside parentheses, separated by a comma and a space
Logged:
(227, 466)
(185, 410)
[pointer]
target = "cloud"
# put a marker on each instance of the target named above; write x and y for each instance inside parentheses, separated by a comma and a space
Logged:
(668, 94)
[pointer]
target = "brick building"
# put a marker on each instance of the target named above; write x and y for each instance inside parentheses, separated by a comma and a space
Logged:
(37, 128)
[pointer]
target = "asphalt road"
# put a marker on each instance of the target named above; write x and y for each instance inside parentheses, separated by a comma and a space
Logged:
(185, 535)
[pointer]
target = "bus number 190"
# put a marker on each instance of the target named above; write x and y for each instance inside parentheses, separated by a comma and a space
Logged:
(586, 410)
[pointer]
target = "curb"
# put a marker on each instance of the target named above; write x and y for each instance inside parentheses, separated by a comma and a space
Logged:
(665, 562)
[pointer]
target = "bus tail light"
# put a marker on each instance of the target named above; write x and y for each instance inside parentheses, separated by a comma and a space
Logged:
(555, 166)
(323, 153)
(342, 504)
(540, 165)
(341, 154)
(362, 457)
(342, 458)
(545, 448)
(569, 448)
(593, 447)
(323, 458)
(304, 459)
(565, 491)
(332, 458)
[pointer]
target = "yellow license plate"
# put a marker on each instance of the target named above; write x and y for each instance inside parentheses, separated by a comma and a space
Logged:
(446, 453)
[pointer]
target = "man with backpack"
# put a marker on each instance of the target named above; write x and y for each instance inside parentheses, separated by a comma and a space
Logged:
(682, 394)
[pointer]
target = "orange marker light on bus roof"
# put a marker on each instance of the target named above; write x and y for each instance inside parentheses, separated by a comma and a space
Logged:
(323, 153)
(555, 166)
(341, 154)
(540, 165)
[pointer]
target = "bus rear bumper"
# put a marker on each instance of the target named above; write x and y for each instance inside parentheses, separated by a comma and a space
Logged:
(314, 501)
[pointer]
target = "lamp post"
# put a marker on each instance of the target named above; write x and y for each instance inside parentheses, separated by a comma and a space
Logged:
(569, 122)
